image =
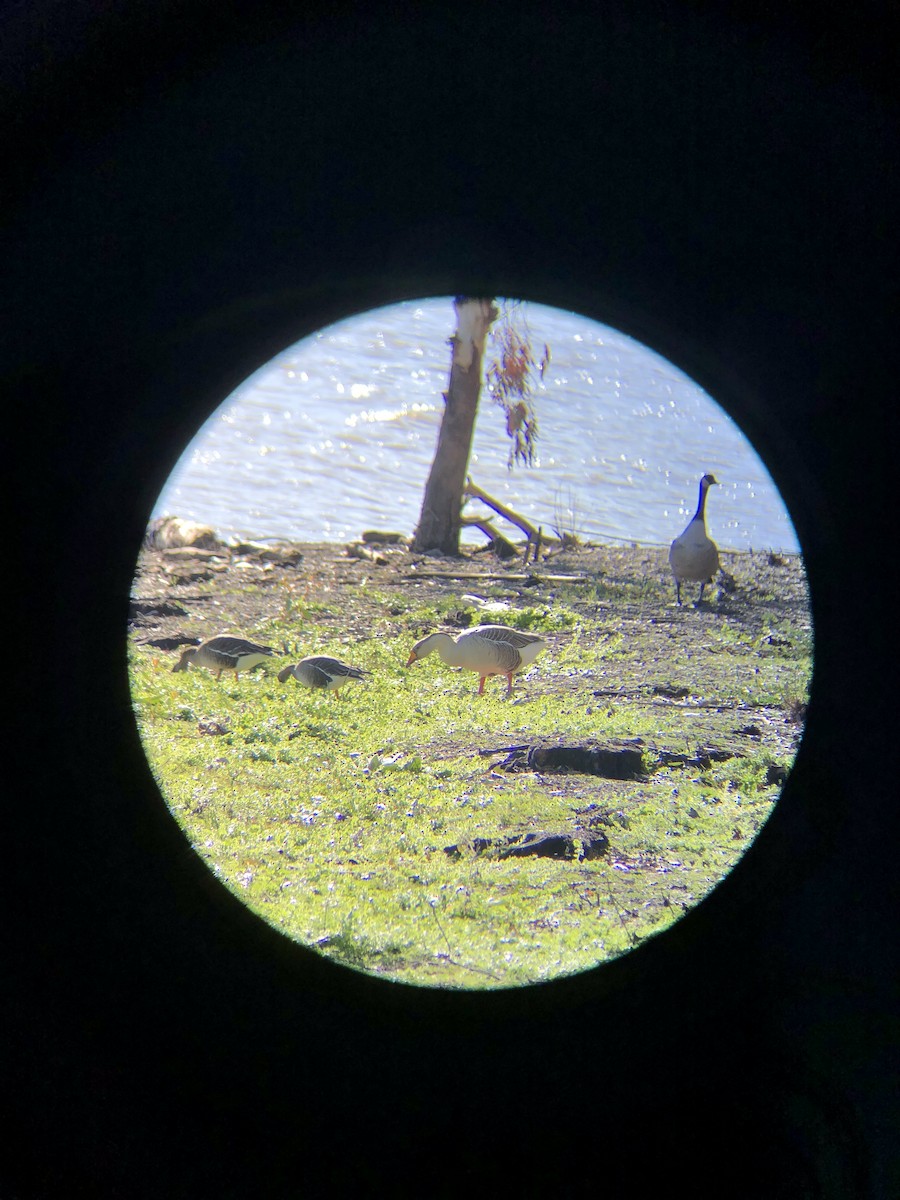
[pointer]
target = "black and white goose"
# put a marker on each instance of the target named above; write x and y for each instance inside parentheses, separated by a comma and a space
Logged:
(320, 671)
(694, 556)
(224, 653)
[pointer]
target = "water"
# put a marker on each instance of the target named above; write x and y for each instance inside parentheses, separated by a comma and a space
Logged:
(336, 435)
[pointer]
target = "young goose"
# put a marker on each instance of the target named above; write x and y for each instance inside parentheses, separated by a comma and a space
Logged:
(319, 671)
(694, 556)
(224, 653)
(487, 649)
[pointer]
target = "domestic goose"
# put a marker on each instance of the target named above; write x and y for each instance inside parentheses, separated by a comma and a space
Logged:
(694, 556)
(320, 671)
(487, 649)
(224, 653)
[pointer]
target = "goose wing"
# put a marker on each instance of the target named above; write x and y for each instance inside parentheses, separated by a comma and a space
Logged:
(327, 669)
(513, 647)
(488, 649)
(234, 647)
(512, 637)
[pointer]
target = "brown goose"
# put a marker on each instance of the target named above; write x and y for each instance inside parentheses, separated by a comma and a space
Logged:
(487, 649)
(320, 671)
(224, 653)
(694, 556)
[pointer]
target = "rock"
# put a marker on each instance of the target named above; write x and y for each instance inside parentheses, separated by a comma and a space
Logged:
(358, 551)
(377, 537)
(154, 608)
(168, 532)
(610, 763)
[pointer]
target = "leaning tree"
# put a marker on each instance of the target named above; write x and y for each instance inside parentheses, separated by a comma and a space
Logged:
(510, 379)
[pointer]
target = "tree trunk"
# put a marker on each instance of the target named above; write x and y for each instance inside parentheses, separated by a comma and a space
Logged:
(440, 519)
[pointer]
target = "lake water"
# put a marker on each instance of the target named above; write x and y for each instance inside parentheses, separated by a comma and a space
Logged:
(336, 435)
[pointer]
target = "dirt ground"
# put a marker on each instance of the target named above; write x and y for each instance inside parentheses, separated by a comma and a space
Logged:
(690, 659)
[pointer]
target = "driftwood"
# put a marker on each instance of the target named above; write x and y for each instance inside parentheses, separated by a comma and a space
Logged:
(494, 577)
(567, 844)
(194, 554)
(476, 493)
(499, 544)
(379, 537)
(356, 550)
(535, 537)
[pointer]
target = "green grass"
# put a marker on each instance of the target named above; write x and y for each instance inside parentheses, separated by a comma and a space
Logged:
(329, 817)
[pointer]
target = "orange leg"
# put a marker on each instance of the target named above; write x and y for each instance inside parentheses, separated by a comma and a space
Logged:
(509, 684)
(481, 685)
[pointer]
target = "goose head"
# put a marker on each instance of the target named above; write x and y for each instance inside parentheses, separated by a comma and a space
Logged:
(187, 657)
(426, 646)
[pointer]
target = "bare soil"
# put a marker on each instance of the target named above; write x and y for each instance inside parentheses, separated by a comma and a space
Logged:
(703, 662)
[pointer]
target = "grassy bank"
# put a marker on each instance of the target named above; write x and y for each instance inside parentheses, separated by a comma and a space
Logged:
(333, 818)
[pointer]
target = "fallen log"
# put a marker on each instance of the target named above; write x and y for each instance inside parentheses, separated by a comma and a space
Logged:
(619, 762)
(495, 577)
(565, 844)
(501, 546)
(380, 537)
(535, 537)
(531, 531)
(702, 760)
(356, 550)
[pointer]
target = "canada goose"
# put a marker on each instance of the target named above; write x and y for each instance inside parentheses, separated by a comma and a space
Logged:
(694, 556)
(320, 671)
(487, 649)
(224, 653)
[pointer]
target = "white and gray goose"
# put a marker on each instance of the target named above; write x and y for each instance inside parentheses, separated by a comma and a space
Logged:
(487, 649)
(224, 653)
(321, 672)
(694, 556)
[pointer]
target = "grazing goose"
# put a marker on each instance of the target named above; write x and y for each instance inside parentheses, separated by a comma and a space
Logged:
(487, 649)
(319, 671)
(224, 653)
(694, 556)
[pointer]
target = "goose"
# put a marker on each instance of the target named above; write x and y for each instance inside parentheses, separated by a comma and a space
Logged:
(487, 649)
(224, 653)
(320, 671)
(694, 556)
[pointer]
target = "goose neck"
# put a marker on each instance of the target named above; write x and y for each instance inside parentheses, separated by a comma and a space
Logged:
(700, 514)
(446, 648)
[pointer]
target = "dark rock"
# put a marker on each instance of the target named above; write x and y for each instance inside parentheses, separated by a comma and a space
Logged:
(380, 538)
(154, 608)
(623, 763)
(578, 844)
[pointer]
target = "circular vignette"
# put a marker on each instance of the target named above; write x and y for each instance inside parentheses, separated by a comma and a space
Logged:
(225, 323)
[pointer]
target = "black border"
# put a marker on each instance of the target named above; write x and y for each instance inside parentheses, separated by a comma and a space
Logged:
(194, 189)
